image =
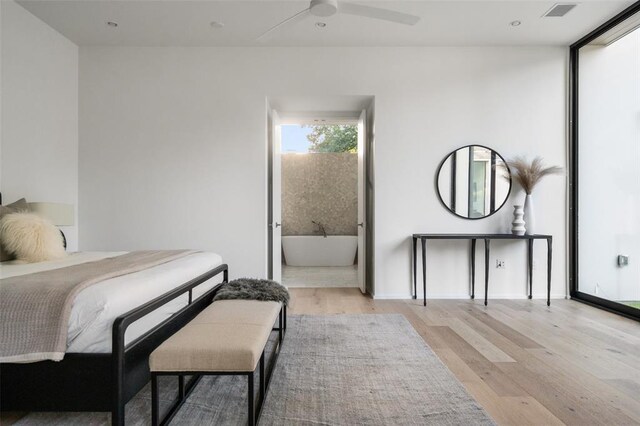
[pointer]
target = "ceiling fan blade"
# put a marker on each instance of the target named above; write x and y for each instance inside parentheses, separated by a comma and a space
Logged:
(297, 17)
(377, 13)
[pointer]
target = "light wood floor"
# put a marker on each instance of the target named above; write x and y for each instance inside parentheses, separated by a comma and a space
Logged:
(523, 362)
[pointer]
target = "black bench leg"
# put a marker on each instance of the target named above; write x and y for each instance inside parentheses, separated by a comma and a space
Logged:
(251, 407)
(181, 387)
(280, 327)
(154, 400)
(262, 378)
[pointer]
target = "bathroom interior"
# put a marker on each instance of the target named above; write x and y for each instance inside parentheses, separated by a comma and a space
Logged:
(319, 166)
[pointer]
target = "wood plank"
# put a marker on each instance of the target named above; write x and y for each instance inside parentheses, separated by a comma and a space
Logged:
(478, 342)
(504, 410)
(562, 396)
(499, 382)
(518, 411)
(618, 393)
(629, 387)
(582, 350)
(504, 329)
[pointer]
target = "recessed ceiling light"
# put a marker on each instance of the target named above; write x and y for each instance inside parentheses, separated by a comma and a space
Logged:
(112, 24)
(217, 24)
(515, 23)
(321, 24)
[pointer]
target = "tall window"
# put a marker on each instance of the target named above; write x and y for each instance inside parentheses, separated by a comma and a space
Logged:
(606, 162)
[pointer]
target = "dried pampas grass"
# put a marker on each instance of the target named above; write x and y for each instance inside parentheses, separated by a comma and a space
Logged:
(528, 174)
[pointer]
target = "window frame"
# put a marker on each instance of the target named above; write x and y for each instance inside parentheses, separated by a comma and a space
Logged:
(574, 149)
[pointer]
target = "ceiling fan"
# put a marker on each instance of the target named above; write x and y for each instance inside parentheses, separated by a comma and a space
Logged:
(325, 8)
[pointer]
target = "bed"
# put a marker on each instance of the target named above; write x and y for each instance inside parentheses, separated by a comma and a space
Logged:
(113, 326)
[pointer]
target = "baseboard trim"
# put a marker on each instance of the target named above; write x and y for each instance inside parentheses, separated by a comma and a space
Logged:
(391, 296)
(518, 296)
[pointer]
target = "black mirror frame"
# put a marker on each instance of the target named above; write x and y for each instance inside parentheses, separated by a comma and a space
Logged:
(438, 189)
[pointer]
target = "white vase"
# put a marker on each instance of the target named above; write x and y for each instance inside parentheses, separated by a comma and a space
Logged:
(517, 226)
(529, 215)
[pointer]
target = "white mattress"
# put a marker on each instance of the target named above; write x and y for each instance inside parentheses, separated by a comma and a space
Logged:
(97, 306)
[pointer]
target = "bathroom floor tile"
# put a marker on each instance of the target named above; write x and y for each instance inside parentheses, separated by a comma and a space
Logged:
(320, 276)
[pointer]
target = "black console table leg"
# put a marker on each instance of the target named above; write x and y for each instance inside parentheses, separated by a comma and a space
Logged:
(415, 257)
(424, 270)
(530, 265)
(549, 256)
(473, 268)
(486, 269)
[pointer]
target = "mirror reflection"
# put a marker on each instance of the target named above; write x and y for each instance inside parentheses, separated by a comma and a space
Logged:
(474, 182)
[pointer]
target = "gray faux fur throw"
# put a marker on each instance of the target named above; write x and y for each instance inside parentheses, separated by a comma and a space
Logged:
(254, 289)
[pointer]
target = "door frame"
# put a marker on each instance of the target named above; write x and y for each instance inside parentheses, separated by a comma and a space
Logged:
(361, 220)
(369, 216)
(269, 192)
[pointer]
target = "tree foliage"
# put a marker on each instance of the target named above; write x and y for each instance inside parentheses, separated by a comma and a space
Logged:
(333, 138)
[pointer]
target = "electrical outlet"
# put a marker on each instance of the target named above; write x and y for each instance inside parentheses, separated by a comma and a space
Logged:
(500, 264)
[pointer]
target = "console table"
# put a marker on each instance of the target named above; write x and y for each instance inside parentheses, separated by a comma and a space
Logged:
(487, 244)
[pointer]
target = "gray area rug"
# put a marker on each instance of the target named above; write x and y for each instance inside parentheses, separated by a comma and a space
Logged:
(367, 369)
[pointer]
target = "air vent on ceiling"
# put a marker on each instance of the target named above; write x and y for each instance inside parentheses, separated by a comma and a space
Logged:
(559, 10)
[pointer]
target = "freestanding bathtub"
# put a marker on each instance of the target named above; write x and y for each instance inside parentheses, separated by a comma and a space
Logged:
(316, 250)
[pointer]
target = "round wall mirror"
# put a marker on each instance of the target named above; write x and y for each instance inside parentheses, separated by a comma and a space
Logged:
(474, 182)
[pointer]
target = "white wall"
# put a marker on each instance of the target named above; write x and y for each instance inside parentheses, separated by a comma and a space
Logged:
(39, 101)
(173, 149)
(609, 181)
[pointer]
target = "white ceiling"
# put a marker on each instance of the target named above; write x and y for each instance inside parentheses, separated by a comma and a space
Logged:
(443, 23)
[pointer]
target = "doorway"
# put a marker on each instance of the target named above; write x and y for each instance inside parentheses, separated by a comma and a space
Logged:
(320, 197)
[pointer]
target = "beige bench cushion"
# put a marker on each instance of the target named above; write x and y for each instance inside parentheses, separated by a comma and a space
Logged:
(229, 335)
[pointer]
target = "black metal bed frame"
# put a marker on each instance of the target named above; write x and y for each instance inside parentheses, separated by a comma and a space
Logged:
(102, 381)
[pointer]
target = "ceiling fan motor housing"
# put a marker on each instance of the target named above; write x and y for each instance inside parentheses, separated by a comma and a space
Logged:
(323, 7)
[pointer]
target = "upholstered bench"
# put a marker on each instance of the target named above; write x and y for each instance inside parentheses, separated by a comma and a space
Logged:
(227, 338)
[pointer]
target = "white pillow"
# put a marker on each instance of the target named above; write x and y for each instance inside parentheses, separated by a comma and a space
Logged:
(30, 237)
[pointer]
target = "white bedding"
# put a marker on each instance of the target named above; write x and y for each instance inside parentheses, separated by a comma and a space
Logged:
(97, 306)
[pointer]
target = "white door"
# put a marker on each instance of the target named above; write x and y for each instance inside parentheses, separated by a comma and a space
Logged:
(276, 180)
(361, 202)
